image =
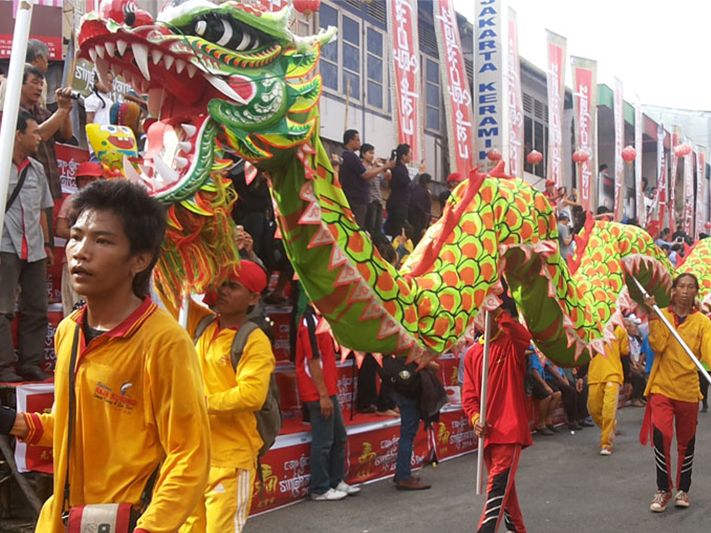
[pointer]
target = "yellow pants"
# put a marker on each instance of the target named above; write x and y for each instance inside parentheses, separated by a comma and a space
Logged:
(225, 507)
(602, 405)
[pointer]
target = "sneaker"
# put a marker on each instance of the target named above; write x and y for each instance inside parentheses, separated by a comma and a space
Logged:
(411, 484)
(544, 431)
(606, 450)
(682, 499)
(551, 428)
(331, 495)
(659, 503)
(574, 426)
(585, 423)
(348, 489)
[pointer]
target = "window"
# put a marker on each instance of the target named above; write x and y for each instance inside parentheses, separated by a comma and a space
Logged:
(351, 57)
(535, 132)
(304, 25)
(433, 95)
(341, 61)
(328, 16)
(375, 64)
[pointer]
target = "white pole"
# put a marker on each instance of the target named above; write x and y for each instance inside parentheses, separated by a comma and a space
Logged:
(482, 402)
(184, 308)
(11, 106)
(674, 333)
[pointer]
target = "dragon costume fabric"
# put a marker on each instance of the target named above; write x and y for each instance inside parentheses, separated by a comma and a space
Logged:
(232, 78)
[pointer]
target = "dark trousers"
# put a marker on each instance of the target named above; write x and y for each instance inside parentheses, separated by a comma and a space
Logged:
(32, 332)
(501, 498)
(367, 390)
(409, 424)
(704, 386)
(374, 218)
(419, 221)
(328, 447)
(638, 384)
(397, 216)
(574, 402)
(359, 211)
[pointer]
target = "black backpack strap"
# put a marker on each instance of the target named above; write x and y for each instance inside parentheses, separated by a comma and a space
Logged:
(240, 341)
(18, 188)
(202, 326)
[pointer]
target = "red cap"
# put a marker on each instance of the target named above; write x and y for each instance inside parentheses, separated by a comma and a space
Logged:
(87, 168)
(251, 275)
(455, 177)
(549, 183)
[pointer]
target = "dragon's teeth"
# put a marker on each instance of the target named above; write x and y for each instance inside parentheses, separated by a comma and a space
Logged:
(140, 54)
(168, 60)
(186, 146)
(101, 51)
(168, 175)
(179, 65)
(92, 54)
(155, 56)
(189, 130)
(181, 162)
(192, 69)
(121, 45)
(224, 88)
(110, 48)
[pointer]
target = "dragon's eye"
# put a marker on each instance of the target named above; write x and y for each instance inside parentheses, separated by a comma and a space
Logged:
(227, 32)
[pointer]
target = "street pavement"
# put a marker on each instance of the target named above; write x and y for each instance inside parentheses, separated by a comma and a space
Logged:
(563, 485)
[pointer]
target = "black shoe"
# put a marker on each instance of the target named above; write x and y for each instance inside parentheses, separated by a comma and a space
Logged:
(704, 408)
(551, 428)
(544, 431)
(574, 426)
(10, 376)
(367, 410)
(586, 424)
(33, 373)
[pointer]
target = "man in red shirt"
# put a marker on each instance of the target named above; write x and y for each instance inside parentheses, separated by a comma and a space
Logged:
(317, 380)
(506, 431)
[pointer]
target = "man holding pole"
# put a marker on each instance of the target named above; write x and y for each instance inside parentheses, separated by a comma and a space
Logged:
(673, 387)
(506, 430)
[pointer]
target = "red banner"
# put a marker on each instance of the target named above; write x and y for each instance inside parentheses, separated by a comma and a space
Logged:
(619, 116)
(405, 71)
(555, 77)
(640, 209)
(688, 213)
(34, 398)
(701, 208)
(585, 104)
(457, 99)
(661, 194)
(68, 159)
(676, 138)
(515, 100)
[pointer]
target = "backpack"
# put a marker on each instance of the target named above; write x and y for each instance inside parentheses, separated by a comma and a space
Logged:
(269, 416)
(404, 377)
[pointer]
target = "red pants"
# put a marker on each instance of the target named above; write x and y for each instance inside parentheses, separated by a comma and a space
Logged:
(664, 412)
(501, 500)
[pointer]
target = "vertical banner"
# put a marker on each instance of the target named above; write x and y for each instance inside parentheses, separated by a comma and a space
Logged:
(585, 113)
(405, 73)
(688, 212)
(489, 81)
(700, 211)
(660, 198)
(515, 100)
(640, 210)
(555, 76)
(619, 118)
(675, 138)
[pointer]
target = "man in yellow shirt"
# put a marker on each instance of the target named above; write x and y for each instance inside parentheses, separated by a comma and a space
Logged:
(673, 388)
(139, 397)
(604, 380)
(233, 397)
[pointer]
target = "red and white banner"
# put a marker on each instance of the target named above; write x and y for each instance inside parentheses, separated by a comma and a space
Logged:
(515, 100)
(555, 76)
(405, 73)
(585, 116)
(701, 208)
(675, 139)
(457, 98)
(34, 398)
(660, 198)
(619, 118)
(688, 213)
(68, 159)
(274, 5)
(640, 210)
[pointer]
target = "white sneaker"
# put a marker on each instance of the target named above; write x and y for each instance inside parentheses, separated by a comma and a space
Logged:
(331, 495)
(348, 489)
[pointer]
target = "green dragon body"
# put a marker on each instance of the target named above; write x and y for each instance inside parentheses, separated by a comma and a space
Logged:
(246, 85)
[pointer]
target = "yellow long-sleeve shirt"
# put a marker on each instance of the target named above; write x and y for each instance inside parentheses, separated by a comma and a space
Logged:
(140, 402)
(608, 367)
(673, 373)
(232, 396)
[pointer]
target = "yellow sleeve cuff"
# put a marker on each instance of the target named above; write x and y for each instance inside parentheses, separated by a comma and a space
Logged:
(475, 418)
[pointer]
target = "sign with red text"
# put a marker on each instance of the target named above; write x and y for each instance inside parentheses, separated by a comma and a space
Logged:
(640, 193)
(688, 212)
(660, 198)
(457, 98)
(34, 398)
(700, 210)
(405, 72)
(68, 159)
(619, 118)
(676, 138)
(515, 100)
(585, 113)
(555, 76)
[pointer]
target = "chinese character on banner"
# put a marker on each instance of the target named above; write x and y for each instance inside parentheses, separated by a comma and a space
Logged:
(555, 76)
(585, 115)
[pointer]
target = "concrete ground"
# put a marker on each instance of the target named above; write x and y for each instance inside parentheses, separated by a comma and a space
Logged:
(562, 482)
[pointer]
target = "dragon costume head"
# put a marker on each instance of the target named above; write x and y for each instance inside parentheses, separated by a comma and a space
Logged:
(227, 77)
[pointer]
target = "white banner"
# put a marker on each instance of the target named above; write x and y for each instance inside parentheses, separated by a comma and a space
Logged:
(515, 100)
(619, 119)
(639, 147)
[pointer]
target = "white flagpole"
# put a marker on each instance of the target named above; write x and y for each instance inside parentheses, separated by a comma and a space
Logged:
(674, 333)
(13, 89)
(482, 402)
(184, 308)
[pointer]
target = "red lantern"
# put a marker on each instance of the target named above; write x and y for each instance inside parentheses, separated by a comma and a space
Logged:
(707, 226)
(307, 6)
(629, 154)
(494, 155)
(581, 156)
(534, 157)
(682, 150)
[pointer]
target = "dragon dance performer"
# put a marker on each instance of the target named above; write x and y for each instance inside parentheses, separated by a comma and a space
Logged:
(604, 379)
(506, 431)
(673, 389)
